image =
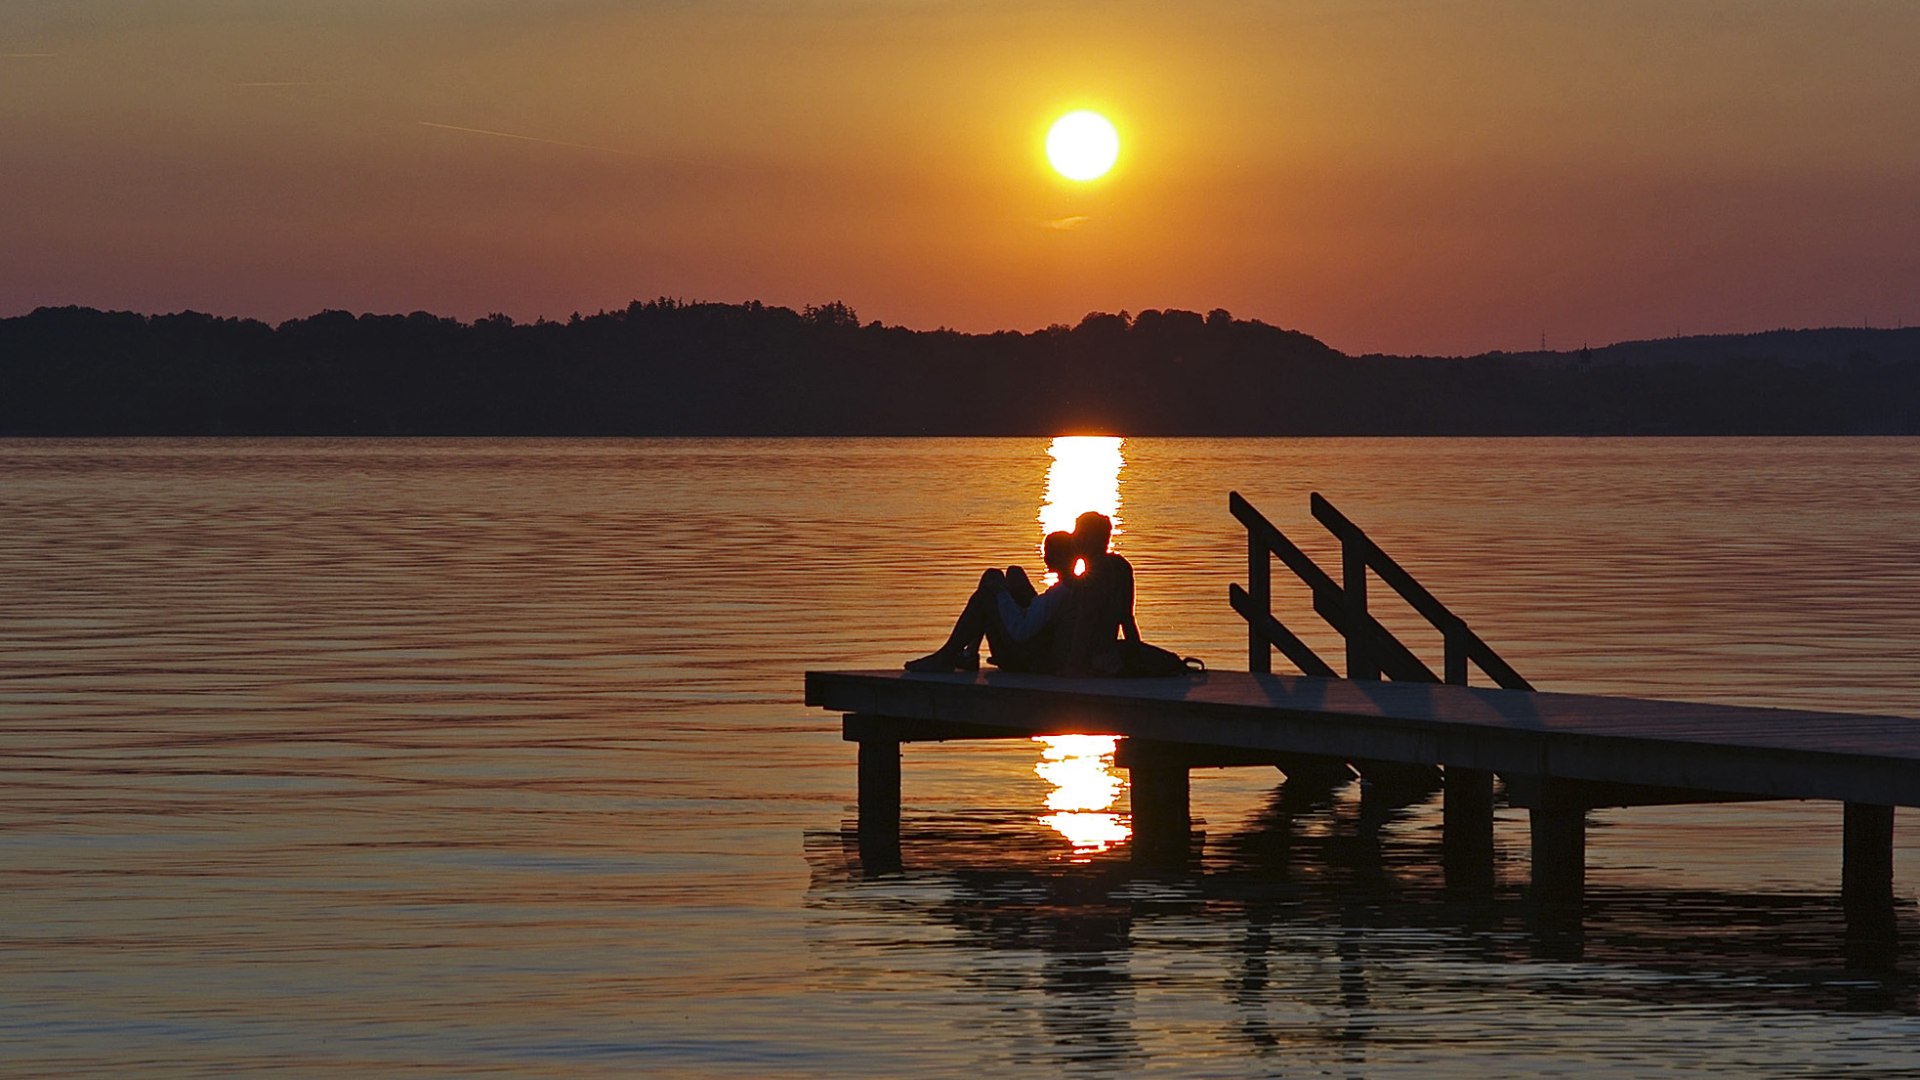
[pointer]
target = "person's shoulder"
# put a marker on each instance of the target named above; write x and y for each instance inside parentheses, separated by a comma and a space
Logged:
(1111, 568)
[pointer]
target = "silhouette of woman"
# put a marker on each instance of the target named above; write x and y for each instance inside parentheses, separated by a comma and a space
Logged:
(1017, 623)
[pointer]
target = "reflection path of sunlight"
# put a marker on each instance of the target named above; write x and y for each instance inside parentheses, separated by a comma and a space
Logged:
(1085, 475)
(1085, 787)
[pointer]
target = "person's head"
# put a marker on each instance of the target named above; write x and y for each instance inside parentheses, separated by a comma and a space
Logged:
(1092, 530)
(1059, 551)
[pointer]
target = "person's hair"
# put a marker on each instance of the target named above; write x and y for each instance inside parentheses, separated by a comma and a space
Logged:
(1094, 530)
(1058, 551)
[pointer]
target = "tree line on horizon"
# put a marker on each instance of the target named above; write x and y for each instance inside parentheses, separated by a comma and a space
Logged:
(668, 367)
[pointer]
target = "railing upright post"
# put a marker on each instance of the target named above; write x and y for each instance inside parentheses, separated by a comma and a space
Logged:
(1361, 663)
(1456, 652)
(1260, 587)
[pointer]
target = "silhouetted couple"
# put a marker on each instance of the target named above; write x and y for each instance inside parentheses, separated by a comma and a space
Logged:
(1071, 629)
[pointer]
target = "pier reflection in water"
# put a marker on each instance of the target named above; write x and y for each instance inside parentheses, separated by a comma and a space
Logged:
(1335, 944)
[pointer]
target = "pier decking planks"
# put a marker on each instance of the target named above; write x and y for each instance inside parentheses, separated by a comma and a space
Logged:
(1774, 753)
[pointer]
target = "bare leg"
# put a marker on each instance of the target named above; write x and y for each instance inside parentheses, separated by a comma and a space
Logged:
(1020, 587)
(980, 618)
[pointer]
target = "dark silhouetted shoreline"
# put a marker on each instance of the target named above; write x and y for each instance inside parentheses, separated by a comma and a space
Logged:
(664, 367)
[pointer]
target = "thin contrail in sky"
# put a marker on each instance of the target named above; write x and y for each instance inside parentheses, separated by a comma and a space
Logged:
(533, 138)
(26, 55)
(309, 83)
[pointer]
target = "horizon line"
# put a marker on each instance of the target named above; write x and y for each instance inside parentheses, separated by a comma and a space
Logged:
(541, 318)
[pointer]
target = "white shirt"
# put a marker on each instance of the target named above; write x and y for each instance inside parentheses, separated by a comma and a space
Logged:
(1025, 624)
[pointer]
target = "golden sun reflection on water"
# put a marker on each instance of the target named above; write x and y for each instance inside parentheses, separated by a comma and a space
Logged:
(1085, 475)
(1085, 787)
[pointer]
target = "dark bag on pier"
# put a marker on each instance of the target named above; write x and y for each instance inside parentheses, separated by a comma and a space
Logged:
(1143, 661)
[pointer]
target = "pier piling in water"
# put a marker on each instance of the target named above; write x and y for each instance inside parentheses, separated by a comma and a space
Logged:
(1159, 779)
(879, 802)
(1867, 858)
(1467, 827)
(1558, 830)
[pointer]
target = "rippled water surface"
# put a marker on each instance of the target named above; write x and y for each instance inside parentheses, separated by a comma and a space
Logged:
(473, 757)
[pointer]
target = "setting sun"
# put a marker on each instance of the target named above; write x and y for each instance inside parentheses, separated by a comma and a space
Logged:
(1083, 145)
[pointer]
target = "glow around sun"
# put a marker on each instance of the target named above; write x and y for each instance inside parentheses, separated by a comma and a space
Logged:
(1083, 145)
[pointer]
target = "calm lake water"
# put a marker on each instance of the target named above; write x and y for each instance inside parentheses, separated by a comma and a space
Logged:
(468, 757)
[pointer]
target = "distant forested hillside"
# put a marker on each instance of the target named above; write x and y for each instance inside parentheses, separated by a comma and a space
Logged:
(664, 367)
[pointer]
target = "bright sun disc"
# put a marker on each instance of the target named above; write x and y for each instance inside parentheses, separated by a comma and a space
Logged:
(1083, 145)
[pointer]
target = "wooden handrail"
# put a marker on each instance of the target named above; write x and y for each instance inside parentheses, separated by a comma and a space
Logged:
(1329, 600)
(1497, 669)
(1462, 643)
(1277, 635)
(1275, 541)
(1379, 561)
(1265, 540)
(1372, 649)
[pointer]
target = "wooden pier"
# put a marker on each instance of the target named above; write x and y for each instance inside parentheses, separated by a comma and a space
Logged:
(1559, 755)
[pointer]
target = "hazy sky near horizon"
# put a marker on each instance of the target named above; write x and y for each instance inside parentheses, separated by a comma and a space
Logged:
(1445, 176)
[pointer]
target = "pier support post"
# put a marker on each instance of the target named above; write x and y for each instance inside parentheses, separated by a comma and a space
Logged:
(1467, 828)
(880, 804)
(1866, 875)
(1158, 779)
(1559, 828)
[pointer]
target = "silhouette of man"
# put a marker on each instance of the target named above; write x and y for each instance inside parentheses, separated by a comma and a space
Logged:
(1102, 608)
(1018, 624)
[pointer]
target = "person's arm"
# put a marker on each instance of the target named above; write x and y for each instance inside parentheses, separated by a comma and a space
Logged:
(1127, 626)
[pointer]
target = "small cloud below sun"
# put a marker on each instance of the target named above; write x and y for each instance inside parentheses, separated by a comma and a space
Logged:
(1066, 224)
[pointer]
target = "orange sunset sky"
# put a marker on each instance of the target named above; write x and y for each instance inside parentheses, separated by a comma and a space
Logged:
(1406, 177)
